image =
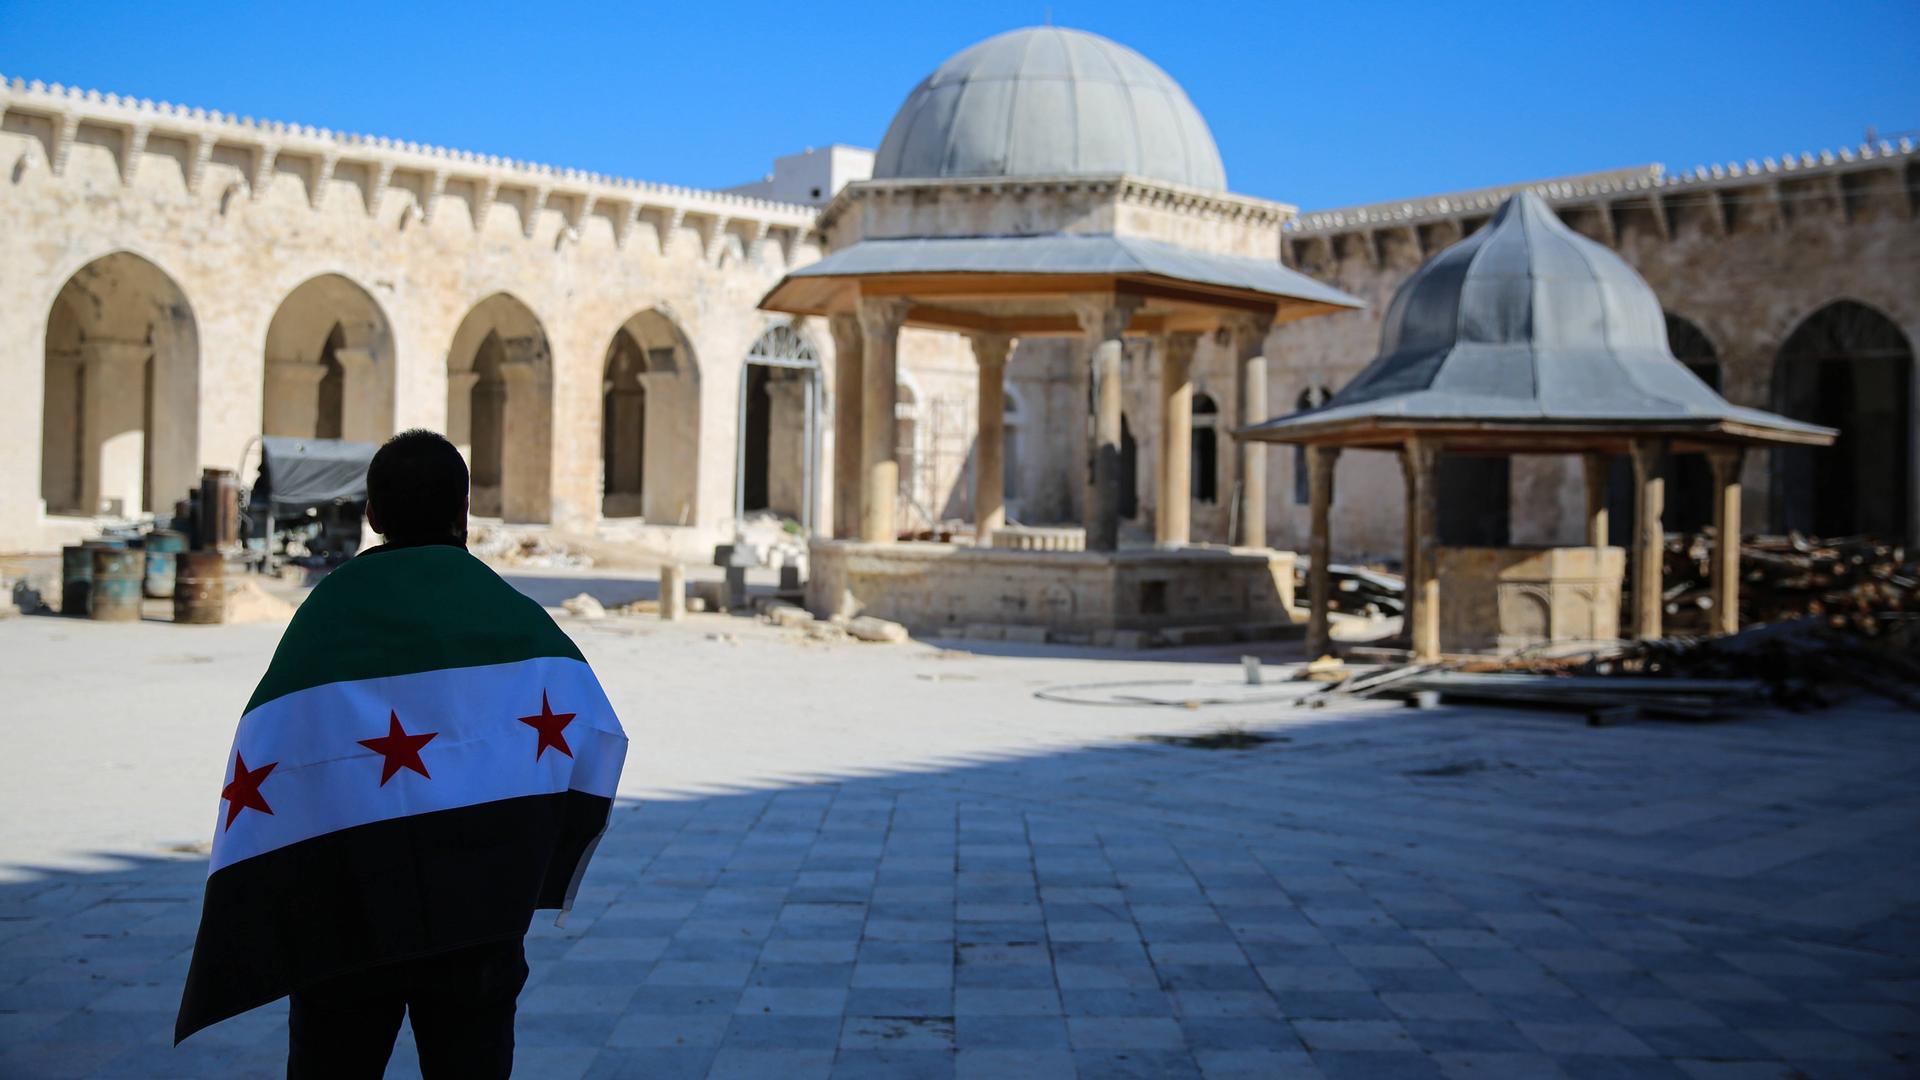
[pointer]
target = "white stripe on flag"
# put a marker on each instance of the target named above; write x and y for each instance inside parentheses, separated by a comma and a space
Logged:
(323, 780)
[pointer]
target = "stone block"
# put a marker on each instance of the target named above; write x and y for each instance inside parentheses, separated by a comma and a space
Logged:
(1512, 597)
(789, 615)
(673, 591)
(870, 628)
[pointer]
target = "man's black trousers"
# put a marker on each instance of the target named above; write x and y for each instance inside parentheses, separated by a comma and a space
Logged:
(462, 1005)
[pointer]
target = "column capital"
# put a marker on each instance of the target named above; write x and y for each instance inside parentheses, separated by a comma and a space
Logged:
(991, 350)
(1104, 318)
(882, 316)
(354, 360)
(1726, 460)
(107, 352)
(1180, 345)
(845, 328)
(1247, 331)
(297, 372)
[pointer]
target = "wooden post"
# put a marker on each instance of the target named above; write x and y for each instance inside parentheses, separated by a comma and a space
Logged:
(1320, 462)
(1598, 525)
(1419, 461)
(1172, 525)
(880, 320)
(1726, 462)
(1649, 537)
(989, 463)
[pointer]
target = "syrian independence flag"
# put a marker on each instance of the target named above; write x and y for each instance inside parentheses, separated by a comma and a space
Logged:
(427, 760)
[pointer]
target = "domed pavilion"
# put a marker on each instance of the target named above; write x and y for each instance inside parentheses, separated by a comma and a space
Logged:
(1527, 337)
(1047, 183)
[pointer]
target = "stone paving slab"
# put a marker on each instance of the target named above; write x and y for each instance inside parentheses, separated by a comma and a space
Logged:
(1376, 893)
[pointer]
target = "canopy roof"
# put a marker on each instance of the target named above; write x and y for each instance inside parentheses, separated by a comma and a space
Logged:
(298, 474)
(1048, 101)
(1017, 283)
(1527, 335)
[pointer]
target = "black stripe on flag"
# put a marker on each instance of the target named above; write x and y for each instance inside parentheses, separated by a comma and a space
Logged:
(381, 893)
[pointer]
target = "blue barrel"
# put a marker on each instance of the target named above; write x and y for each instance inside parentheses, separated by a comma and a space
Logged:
(162, 547)
(76, 579)
(116, 585)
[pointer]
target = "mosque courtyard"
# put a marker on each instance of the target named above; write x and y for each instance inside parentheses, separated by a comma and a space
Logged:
(835, 859)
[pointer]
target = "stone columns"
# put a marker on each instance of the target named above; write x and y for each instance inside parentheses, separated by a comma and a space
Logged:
(1649, 536)
(1172, 526)
(1320, 462)
(989, 446)
(360, 411)
(292, 406)
(880, 320)
(1726, 462)
(113, 425)
(849, 392)
(1104, 319)
(1249, 334)
(1597, 466)
(460, 411)
(1419, 460)
(526, 432)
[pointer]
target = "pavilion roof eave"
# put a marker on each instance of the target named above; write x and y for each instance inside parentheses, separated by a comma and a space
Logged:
(1519, 436)
(981, 269)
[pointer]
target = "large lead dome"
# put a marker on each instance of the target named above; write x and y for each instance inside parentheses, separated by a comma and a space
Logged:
(1047, 101)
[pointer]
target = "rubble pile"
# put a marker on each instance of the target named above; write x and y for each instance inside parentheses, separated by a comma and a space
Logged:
(1856, 580)
(529, 549)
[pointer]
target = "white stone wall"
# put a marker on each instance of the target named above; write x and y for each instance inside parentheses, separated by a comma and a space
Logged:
(237, 216)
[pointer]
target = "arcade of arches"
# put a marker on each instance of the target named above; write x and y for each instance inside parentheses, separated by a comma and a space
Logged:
(500, 397)
(122, 350)
(330, 365)
(650, 418)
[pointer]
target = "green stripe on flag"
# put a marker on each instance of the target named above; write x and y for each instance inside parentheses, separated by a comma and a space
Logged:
(405, 611)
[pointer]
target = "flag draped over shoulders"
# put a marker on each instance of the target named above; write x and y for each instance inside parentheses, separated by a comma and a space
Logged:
(427, 760)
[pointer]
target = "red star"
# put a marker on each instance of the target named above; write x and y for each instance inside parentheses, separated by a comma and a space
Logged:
(243, 793)
(549, 724)
(401, 750)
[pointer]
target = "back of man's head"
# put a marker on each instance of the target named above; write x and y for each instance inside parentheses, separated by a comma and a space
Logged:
(417, 489)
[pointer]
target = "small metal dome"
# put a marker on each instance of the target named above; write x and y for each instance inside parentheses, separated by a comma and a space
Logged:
(1047, 101)
(1528, 323)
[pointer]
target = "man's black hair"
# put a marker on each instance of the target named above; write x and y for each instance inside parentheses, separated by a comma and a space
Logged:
(417, 489)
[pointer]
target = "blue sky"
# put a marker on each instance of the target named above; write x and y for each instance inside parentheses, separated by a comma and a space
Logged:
(1317, 104)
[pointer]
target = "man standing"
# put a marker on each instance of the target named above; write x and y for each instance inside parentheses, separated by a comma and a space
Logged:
(427, 760)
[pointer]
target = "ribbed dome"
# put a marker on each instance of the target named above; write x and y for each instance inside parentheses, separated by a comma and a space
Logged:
(1047, 101)
(1529, 313)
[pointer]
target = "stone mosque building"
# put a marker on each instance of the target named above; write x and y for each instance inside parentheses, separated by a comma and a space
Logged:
(180, 281)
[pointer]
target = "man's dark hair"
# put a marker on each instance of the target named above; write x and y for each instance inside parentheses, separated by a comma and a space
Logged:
(417, 489)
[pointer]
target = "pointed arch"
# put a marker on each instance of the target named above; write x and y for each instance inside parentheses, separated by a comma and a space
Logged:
(650, 421)
(122, 348)
(1847, 366)
(500, 408)
(330, 364)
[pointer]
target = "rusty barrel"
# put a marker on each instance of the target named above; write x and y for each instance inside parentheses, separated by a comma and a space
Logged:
(163, 549)
(76, 579)
(200, 588)
(115, 593)
(219, 525)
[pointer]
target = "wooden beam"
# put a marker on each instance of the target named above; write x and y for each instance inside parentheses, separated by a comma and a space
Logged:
(1726, 462)
(1320, 462)
(1650, 538)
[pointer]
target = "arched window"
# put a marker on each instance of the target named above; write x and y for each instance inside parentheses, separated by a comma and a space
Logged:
(779, 403)
(1205, 450)
(1847, 367)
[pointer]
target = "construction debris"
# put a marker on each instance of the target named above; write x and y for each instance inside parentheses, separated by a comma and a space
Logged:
(869, 628)
(1358, 590)
(788, 615)
(516, 547)
(1855, 579)
(584, 606)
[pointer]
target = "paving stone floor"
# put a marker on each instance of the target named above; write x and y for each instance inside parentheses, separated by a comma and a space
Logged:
(1377, 893)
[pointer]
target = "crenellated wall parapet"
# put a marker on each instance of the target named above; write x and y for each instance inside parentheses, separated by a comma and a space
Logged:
(1718, 200)
(59, 117)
